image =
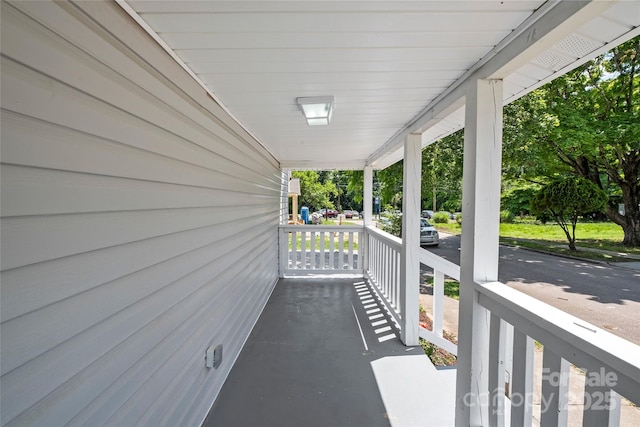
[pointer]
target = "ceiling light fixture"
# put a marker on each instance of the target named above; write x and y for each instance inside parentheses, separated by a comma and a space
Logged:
(317, 110)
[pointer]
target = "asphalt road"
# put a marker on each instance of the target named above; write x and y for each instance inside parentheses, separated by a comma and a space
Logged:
(606, 296)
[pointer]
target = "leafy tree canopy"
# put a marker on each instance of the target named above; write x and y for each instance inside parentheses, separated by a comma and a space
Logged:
(517, 195)
(566, 199)
(313, 193)
(586, 123)
(442, 173)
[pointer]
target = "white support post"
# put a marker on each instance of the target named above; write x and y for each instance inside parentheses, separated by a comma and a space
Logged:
(479, 251)
(410, 261)
(367, 202)
(367, 197)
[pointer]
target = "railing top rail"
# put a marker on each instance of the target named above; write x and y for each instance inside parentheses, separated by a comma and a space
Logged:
(387, 238)
(568, 336)
(326, 228)
(438, 263)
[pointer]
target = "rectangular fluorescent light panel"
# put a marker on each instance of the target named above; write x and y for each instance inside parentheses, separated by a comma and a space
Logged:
(317, 110)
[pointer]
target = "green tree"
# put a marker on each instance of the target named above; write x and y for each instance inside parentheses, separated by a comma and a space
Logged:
(441, 176)
(517, 195)
(313, 193)
(586, 123)
(355, 188)
(391, 185)
(343, 199)
(442, 173)
(565, 200)
(393, 223)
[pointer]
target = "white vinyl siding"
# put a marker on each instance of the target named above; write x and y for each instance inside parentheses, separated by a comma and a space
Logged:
(138, 223)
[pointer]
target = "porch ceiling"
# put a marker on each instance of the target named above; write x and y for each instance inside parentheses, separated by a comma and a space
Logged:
(394, 67)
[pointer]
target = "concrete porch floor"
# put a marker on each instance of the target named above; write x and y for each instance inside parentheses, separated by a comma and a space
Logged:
(324, 353)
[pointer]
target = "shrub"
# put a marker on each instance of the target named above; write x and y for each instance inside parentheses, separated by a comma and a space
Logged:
(517, 199)
(459, 218)
(565, 199)
(440, 218)
(506, 217)
(393, 223)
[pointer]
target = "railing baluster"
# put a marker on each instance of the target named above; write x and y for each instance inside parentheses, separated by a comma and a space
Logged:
(496, 372)
(387, 269)
(351, 250)
(438, 301)
(283, 244)
(362, 250)
(388, 281)
(390, 273)
(294, 250)
(373, 255)
(331, 250)
(396, 280)
(322, 253)
(303, 249)
(378, 261)
(381, 274)
(312, 251)
(340, 250)
(615, 409)
(522, 380)
(383, 269)
(601, 404)
(555, 390)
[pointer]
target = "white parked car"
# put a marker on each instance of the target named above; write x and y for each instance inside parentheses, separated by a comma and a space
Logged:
(428, 234)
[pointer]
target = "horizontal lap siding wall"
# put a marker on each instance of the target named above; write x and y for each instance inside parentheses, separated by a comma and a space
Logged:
(139, 225)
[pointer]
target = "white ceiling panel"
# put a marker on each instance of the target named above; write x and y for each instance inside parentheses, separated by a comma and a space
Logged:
(465, 54)
(333, 22)
(238, 67)
(391, 65)
(197, 6)
(319, 40)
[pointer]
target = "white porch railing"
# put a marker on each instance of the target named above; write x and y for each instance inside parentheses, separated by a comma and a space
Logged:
(441, 268)
(383, 269)
(384, 274)
(611, 364)
(312, 249)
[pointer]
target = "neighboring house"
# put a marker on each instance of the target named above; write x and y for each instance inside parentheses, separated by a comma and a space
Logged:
(140, 218)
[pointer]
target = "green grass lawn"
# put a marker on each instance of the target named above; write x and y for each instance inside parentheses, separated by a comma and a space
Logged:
(451, 287)
(599, 235)
(588, 231)
(335, 222)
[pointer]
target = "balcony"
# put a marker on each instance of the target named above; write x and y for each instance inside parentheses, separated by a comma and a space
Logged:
(328, 351)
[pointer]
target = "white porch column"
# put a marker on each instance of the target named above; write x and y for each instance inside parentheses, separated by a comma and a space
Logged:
(367, 197)
(479, 252)
(409, 261)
